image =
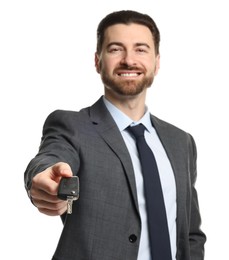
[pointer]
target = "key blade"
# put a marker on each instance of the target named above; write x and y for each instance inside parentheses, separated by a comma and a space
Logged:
(69, 204)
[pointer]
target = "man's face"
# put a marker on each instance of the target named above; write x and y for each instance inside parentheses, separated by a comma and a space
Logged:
(127, 63)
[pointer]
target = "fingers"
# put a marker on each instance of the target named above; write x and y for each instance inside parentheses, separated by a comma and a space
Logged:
(40, 194)
(48, 204)
(52, 209)
(49, 179)
(44, 189)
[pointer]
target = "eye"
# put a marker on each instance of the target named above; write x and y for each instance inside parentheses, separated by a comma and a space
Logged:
(115, 49)
(141, 50)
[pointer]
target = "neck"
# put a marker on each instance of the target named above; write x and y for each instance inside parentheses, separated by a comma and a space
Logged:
(133, 107)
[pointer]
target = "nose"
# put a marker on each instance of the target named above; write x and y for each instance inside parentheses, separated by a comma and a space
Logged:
(128, 59)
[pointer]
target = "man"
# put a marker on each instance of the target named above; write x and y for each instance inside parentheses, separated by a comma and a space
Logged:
(110, 220)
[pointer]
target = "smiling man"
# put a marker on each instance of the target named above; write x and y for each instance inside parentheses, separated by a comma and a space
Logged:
(114, 218)
(127, 65)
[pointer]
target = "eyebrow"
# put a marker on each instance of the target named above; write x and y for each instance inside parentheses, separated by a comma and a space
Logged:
(136, 44)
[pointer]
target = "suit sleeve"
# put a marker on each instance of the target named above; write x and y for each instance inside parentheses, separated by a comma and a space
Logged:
(56, 146)
(197, 238)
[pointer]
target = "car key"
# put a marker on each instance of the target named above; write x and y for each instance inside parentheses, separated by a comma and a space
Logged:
(69, 190)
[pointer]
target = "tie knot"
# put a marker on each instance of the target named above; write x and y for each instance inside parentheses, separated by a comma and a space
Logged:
(137, 130)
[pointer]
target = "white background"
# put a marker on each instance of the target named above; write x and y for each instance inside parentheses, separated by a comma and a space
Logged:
(47, 62)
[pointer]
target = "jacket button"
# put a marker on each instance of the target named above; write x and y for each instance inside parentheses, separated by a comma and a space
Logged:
(132, 238)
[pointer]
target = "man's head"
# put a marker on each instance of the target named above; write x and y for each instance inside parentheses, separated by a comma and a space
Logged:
(127, 56)
(127, 17)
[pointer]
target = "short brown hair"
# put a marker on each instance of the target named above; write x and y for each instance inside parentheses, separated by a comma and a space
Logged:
(127, 17)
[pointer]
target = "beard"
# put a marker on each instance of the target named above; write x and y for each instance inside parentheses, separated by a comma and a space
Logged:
(125, 87)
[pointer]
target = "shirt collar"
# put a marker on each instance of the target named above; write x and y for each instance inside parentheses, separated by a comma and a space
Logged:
(123, 121)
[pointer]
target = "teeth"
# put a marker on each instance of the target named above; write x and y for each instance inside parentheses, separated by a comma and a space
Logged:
(129, 74)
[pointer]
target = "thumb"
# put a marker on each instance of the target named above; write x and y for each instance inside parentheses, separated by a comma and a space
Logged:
(61, 169)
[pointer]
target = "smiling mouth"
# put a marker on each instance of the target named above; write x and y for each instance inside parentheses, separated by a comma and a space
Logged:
(130, 74)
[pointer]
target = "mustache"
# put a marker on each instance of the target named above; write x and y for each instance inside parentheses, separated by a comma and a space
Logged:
(127, 67)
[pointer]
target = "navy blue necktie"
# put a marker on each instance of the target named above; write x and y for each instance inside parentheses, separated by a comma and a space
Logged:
(157, 220)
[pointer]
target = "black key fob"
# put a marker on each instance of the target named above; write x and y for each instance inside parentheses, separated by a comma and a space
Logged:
(69, 187)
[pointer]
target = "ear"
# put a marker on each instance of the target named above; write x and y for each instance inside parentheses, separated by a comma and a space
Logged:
(97, 62)
(157, 64)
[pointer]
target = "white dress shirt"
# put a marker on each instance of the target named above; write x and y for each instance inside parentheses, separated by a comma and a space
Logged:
(165, 172)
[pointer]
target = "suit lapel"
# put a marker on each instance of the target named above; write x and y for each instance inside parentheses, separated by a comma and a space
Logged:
(173, 148)
(108, 130)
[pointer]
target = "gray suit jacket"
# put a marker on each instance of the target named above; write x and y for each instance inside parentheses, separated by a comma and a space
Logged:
(105, 224)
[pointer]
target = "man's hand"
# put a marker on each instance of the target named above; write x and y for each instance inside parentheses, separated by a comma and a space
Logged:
(44, 189)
